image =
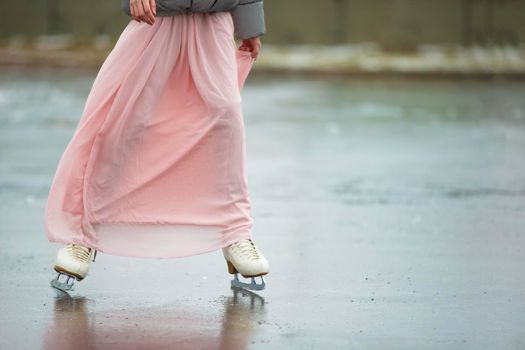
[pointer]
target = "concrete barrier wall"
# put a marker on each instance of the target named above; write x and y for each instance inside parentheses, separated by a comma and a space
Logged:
(394, 24)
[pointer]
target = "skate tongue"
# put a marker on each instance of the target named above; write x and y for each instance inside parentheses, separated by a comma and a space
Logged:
(80, 252)
(248, 249)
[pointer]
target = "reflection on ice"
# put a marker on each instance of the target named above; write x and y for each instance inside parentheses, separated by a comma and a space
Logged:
(77, 323)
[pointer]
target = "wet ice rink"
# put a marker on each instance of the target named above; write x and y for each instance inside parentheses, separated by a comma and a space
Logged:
(392, 214)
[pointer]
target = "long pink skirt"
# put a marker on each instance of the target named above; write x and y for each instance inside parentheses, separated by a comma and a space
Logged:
(156, 167)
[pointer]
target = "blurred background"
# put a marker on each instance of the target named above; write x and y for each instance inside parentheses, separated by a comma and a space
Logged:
(385, 151)
(394, 24)
(449, 36)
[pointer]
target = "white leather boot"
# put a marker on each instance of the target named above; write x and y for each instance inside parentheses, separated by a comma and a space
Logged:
(245, 258)
(73, 261)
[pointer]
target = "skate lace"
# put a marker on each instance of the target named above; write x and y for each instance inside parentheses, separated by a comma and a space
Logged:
(246, 249)
(79, 252)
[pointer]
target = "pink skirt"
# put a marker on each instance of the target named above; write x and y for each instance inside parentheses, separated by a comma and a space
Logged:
(156, 167)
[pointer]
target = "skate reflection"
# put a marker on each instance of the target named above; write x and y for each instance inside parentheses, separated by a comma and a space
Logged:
(78, 325)
(71, 326)
(243, 312)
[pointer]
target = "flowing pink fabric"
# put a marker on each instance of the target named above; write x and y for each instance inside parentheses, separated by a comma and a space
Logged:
(156, 167)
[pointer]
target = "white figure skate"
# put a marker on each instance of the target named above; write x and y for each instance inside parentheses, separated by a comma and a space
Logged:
(245, 258)
(73, 262)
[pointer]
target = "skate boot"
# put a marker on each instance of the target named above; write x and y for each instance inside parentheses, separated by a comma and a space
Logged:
(73, 262)
(245, 258)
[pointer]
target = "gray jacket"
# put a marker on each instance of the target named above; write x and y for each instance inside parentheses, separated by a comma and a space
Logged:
(247, 15)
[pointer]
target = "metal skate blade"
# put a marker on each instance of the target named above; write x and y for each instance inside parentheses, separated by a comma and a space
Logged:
(250, 286)
(65, 286)
(255, 298)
